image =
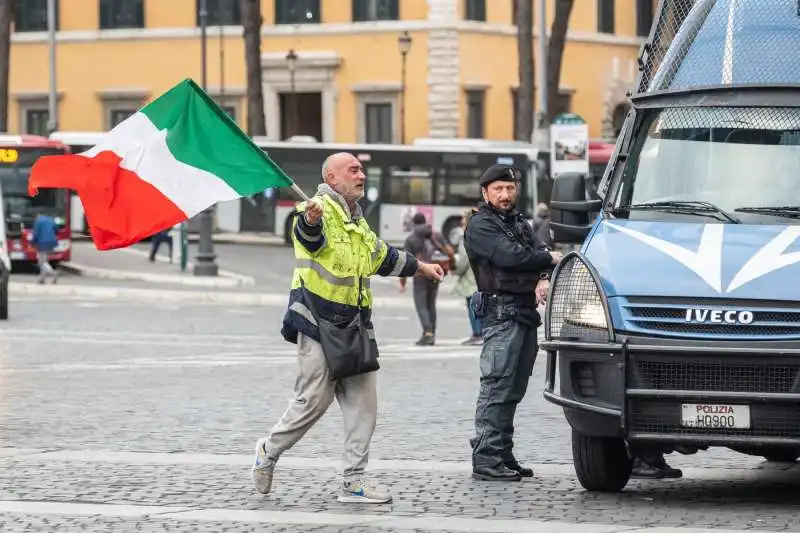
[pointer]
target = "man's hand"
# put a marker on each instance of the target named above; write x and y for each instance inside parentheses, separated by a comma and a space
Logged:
(313, 212)
(557, 257)
(430, 271)
(542, 289)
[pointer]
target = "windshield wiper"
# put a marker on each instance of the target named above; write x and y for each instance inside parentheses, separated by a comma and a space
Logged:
(788, 211)
(693, 207)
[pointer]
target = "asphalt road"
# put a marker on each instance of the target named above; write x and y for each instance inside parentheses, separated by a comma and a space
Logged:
(123, 415)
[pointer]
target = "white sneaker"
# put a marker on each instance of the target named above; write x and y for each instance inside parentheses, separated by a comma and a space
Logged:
(361, 491)
(263, 468)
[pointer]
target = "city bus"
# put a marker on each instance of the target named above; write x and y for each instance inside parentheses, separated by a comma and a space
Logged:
(439, 181)
(18, 153)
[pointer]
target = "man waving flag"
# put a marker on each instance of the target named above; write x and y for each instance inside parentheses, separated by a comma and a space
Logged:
(174, 158)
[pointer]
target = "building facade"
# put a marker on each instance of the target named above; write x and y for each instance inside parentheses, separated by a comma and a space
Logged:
(348, 81)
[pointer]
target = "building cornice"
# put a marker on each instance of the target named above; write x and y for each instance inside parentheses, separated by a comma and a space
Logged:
(289, 30)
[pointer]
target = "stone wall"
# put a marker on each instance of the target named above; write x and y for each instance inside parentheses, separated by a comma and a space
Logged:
(443, 69)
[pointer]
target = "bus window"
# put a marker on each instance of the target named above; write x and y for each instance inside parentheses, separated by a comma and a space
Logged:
(307, 176)
(459, 186)
(409, 185)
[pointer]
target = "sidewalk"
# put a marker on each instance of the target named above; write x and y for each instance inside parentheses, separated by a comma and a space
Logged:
(221, 238)
(129, 264)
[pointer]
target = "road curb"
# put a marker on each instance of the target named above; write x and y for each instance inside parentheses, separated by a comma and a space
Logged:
(232, 298)
(244, 281)
(223, 280)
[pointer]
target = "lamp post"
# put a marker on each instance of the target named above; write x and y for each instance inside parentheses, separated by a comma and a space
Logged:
(404, 42)
(205, 265)
(291, 62)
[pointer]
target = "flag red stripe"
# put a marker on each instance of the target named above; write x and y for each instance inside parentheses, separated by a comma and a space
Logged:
(120, 207)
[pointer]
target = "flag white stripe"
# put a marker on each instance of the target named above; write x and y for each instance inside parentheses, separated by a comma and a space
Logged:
(144, 151)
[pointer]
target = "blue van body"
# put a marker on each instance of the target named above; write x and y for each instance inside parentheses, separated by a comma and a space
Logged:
(676, 325)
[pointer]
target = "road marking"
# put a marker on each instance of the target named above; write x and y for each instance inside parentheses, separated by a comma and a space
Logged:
(423, 521)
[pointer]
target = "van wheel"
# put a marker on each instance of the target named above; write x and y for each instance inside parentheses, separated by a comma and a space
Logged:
(4, 296)
(601, 463)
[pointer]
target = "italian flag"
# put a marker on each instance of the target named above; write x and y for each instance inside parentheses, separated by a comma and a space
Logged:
(174, 158)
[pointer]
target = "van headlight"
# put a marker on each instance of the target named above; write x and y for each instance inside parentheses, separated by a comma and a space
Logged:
(575, 307)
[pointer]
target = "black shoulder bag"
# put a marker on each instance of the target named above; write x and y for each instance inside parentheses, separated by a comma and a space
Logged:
(349, 350)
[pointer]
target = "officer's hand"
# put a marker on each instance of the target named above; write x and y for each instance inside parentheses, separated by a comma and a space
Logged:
(541, 291)
(557, 257)
(313, 211)
(431, 271)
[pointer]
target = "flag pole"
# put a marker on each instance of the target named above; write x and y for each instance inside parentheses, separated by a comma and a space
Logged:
(300, 192)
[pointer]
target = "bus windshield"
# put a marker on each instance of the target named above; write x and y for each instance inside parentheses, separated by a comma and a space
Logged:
(14, 181)
(731, 157)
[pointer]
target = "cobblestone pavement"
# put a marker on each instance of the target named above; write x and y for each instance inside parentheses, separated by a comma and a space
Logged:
(129, 416)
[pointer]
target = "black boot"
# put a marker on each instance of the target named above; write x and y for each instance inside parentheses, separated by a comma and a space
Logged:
(668, 471)
(497, 473)
(523, 471)
(644, 470)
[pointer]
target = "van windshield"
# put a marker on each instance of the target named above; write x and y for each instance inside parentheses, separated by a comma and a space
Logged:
(731, 157)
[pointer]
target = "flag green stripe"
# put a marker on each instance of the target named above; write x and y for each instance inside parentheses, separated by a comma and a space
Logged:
(202, 135)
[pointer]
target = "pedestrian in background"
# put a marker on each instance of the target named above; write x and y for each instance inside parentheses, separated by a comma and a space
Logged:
(465, 284)
(427, 246)
(329, 319)
(44, 239)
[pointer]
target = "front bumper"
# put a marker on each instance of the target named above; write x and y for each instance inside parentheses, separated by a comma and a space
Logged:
(635, 387)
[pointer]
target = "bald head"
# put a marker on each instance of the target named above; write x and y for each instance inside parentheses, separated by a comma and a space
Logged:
(345, 175)
(334, 163)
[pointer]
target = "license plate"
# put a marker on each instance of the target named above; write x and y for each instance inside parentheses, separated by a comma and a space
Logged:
(16, 256)
(715, 416)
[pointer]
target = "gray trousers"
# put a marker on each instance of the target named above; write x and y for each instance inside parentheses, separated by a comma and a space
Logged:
(506, 365)
(425, 293)
(313, 394)
(45, 268)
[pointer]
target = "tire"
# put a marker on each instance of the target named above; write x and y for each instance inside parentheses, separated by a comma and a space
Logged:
(4, 297)
(602, 464)
(781, 456)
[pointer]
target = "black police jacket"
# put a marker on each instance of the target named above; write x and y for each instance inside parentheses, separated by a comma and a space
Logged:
(505, 254)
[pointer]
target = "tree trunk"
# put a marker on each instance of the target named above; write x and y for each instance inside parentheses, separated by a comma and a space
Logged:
(251, 21)
(525, 66)
(555, 54)
(6, 15)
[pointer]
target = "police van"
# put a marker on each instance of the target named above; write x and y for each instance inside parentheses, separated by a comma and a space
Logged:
(675, 326)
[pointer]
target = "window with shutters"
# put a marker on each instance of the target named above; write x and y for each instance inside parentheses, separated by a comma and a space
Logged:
(366, 10)
(36, 121)
(121, 14)
(378, 122)
(297, 12)
(475, 114)
(644, 17)
(605, 16)
(220, 12)
(475, 10)
(115, 116)
(31, 15)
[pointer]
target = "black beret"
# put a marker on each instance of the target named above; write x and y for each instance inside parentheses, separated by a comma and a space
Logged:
(498, 172)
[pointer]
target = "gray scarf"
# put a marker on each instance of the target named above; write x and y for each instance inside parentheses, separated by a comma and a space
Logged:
(326, 189)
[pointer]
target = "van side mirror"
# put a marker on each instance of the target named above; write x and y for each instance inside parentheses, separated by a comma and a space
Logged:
(570, 211)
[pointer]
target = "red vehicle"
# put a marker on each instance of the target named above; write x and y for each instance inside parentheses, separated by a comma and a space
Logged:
(18, 153)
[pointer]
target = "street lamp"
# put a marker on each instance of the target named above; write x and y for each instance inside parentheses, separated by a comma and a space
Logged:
(205, 265)
(291, 61)
(404, 42)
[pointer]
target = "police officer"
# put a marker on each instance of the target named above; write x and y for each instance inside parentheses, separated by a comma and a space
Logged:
(512, 269)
